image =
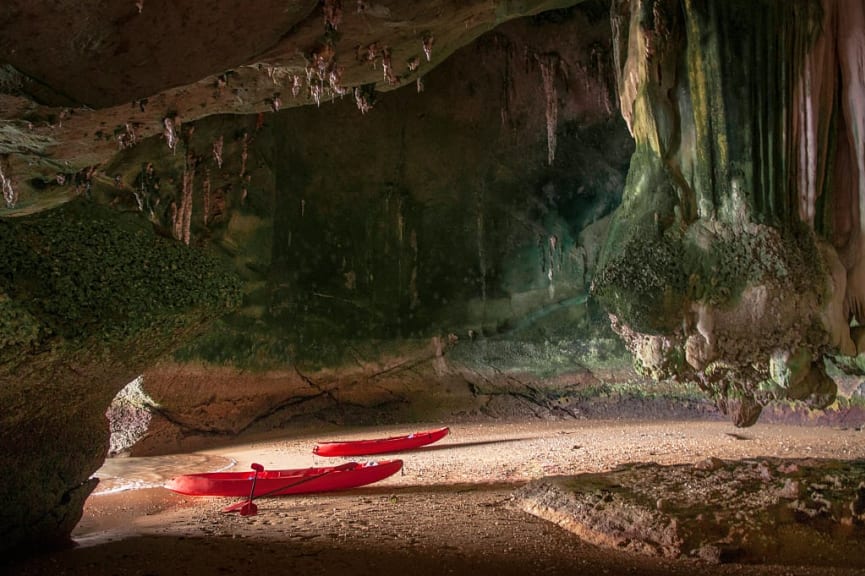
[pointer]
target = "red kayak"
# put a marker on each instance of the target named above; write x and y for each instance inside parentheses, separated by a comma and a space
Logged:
(381, 445)
(284, 482)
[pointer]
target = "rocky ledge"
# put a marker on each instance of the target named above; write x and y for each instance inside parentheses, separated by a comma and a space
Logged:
(768, 511)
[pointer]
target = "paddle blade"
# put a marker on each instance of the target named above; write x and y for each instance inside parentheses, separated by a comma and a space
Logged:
(236, 506)
(249, 509)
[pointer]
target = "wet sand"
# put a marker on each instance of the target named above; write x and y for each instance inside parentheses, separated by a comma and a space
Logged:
(451, 510)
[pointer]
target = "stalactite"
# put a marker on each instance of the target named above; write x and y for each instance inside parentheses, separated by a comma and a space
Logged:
(205, 193)
(10, 197)
(216, 150)
(599, 67)
(549, 65)
(400, 240)
(709, 126)
(139, 193)
(387, 67)
(428, 41)
(332, 10)
(507, 80)
(620, 21)
(174, 215)
(481, 234)
(414, 298)
(363, 97)
(126, 138)
(184, 219)
(334, 79)
(555, 258)
(851, 46)
(807, 152)
(315, 93)
(169, 124)
(244, 153)
(851, 43)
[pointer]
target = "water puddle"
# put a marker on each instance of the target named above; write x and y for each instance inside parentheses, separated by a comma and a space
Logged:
(135, 473)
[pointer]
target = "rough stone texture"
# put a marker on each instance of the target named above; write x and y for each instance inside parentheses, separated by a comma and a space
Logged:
(129, 417)
(733, 260)
(195, 405)
(111, 74)
(81, 319)
(765, 511)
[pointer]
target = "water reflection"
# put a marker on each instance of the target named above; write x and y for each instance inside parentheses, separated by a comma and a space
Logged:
(133, 473)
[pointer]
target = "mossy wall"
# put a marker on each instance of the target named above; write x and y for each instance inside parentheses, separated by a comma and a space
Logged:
(88, 299)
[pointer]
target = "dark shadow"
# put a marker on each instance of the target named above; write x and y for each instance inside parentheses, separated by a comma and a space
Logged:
(326, 555)
(372, 490)
(450, 446)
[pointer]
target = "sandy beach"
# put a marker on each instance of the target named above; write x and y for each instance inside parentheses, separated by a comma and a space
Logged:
(450, 511)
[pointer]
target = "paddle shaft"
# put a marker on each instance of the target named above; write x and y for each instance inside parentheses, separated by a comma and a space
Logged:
(236, 505)
(254, 478)
(250, 509)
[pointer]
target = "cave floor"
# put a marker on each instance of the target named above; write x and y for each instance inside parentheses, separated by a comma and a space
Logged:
(452, 511)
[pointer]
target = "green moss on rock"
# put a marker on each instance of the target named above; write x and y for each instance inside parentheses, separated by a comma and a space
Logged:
(83, 272)
(644, 283)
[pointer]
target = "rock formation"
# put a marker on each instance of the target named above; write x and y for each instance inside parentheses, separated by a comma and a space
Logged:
(714, 511)
(735, 258)
(88, 300)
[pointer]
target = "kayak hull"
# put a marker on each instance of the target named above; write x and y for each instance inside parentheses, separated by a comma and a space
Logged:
(284, 482)
(380, 445)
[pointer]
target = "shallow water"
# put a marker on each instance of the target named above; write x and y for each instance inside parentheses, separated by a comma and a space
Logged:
(134, 473)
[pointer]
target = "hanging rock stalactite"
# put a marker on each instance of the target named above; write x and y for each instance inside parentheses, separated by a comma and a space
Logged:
(10, 198)
(734, 260)
(549, 65)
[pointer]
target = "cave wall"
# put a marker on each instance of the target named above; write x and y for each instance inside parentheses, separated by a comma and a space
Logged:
(431, 238)
(87, 301)
(733, 261)
(439, 211)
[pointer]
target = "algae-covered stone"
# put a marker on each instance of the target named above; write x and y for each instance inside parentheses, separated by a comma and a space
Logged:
(788, 369)
(732, 243)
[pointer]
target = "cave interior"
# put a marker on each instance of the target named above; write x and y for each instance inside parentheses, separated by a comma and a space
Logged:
(364, 213)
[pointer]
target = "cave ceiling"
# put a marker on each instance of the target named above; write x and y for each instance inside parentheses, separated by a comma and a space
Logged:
(81, 80)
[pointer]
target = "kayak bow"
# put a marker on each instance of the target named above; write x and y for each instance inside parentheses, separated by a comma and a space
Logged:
(380, 445)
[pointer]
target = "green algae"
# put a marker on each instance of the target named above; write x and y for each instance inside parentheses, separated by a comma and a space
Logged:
(84, 273)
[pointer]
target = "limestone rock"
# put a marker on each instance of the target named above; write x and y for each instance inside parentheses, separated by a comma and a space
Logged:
(721, 248)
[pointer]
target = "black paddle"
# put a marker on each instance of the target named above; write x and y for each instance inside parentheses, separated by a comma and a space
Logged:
(244, 503)
(249, 508)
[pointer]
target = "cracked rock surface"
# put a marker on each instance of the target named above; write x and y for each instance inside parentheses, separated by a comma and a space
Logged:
(766, 510)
